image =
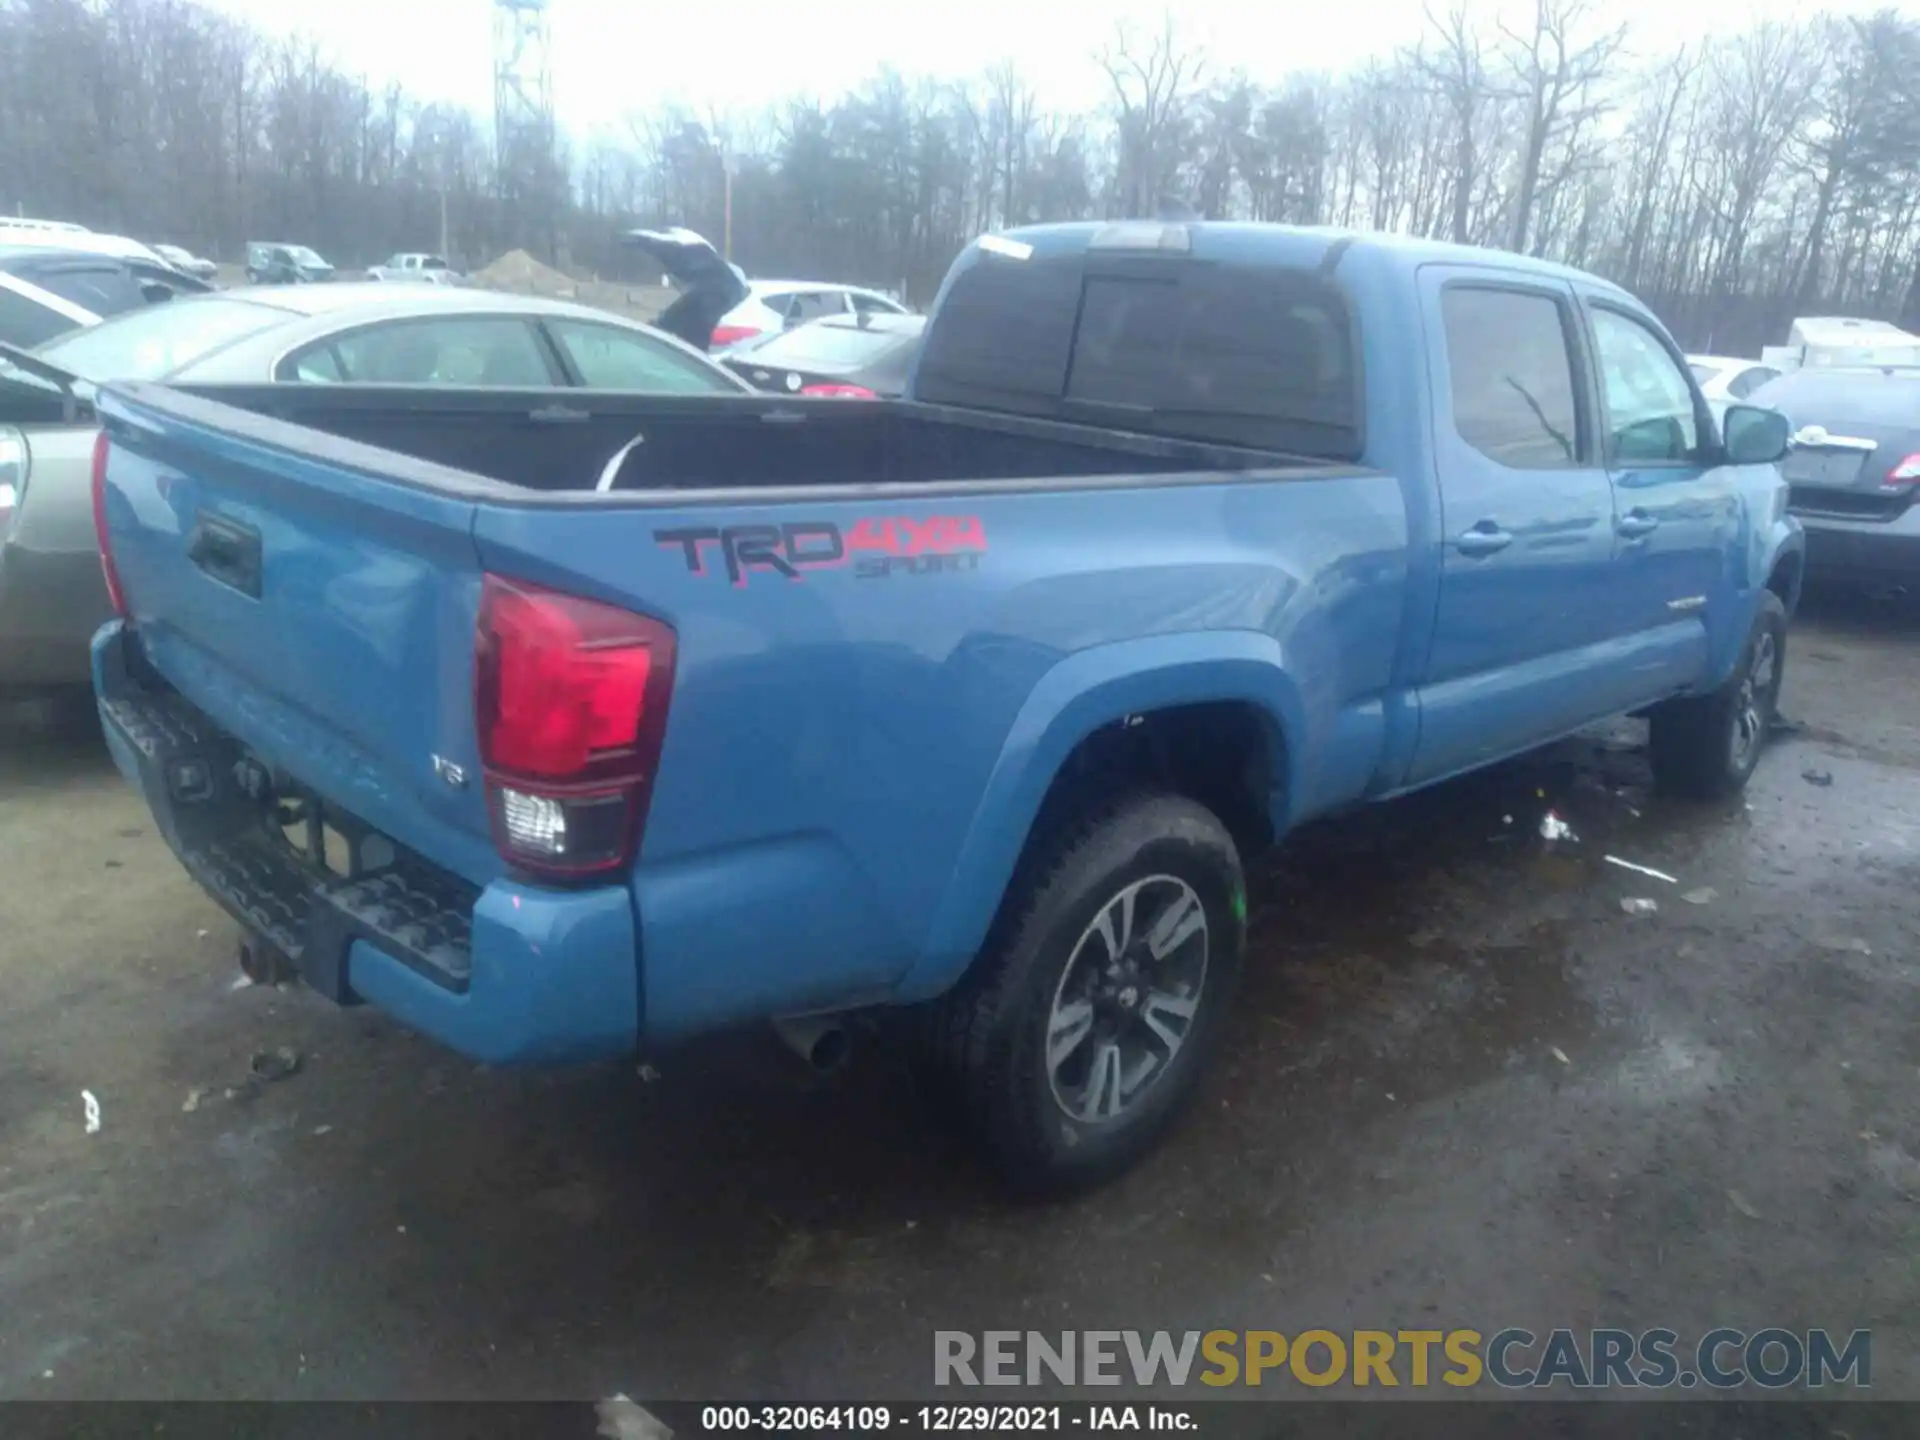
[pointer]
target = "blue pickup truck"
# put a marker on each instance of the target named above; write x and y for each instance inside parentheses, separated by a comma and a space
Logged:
(568, 728)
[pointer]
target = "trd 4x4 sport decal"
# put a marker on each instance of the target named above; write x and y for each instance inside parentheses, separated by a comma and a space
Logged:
(877, 549)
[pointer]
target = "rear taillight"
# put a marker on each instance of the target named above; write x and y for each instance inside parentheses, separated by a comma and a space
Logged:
(840, 392)
(570, 706)
(1906, 472)
(115, 595)
(724, 335)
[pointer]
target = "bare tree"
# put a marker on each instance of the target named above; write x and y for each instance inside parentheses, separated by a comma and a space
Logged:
(1555, 69)
(1153, 82)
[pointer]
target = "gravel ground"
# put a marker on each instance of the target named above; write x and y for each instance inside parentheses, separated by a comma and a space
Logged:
(1463, 1088)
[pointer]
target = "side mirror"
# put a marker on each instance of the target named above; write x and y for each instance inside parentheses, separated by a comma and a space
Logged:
(155, 292)
(1754, 436)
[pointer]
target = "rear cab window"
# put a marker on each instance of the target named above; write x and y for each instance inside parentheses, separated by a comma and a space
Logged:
(1236, 354)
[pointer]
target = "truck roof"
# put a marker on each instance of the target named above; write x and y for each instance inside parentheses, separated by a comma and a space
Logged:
(1298, 246)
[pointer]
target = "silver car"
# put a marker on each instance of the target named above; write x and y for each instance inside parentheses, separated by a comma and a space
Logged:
(52, 594)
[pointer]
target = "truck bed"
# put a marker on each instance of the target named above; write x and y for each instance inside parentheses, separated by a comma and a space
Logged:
(562, 444)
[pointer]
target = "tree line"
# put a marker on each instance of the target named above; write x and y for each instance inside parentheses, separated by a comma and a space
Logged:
(1771, 170)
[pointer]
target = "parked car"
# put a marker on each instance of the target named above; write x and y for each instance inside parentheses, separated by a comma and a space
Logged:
(1854, 469)
(685, 712)
(183, 259)
(855, 357)
(723, 306)
(1724, 379)
(46, 291)
(411, 265)
(277, 264)
(52, 597)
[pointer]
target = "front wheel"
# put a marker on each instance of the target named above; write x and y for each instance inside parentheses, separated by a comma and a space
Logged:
(1085, 1024)
(1706, 748)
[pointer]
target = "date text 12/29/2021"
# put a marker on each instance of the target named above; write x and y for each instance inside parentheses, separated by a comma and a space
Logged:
(942, 1419)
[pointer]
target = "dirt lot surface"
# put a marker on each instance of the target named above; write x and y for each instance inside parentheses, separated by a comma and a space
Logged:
(1464, 1087)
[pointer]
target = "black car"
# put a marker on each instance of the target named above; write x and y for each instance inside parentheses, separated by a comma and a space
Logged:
(46, 290)
(861, 357)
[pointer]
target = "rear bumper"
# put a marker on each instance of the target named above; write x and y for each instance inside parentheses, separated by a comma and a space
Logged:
(505, 973)
(1871, 550)
(51, 602)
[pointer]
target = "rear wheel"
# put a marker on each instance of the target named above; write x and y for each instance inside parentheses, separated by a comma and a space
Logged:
(1084, 1025)
(1705, 748)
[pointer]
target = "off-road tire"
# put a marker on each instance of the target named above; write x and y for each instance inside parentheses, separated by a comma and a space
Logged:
(1696, 749)
(980, 1051)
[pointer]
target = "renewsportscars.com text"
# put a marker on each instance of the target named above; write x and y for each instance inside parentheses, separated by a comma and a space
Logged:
(1511, 1359)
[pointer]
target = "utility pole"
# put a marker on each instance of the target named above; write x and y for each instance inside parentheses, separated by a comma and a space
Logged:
(726, 239)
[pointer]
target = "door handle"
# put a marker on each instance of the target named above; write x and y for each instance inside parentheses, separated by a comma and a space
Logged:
(1483, 539)
(1636, 525)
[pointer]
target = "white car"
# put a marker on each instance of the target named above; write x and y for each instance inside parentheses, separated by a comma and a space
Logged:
(719, 307)
(1725, 380)
(415, 265)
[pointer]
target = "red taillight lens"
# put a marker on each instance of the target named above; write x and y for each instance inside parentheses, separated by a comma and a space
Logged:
(1906, 472)
(840, 392)
(724, 335)
(115, 596)
(570, 710)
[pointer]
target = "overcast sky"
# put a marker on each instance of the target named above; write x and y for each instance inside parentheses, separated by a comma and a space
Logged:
(614, 56)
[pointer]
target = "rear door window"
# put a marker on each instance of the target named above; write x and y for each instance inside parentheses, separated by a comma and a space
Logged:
(1511, 374)
(107, 289)
(481, 350)
(812, 304)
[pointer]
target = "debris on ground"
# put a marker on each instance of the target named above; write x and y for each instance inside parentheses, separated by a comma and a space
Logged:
(241, 981)
(1844, 944)
(1635, 905)
(192, 1102)
(648, 1074)
(1822, 778)
(1552, 827)
(1743, 1205)
(1705, 895)
(1641, 869)
(92, 1110)
(520, 272)
(1559, 1054)
(271, 1065)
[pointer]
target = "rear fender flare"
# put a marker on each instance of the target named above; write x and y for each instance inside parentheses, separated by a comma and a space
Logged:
(1088, 690)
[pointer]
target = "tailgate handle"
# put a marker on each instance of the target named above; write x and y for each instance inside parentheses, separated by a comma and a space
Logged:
(228, 551)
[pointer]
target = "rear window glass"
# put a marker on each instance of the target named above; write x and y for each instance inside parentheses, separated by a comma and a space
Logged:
(154, 342)
(1253, 356)
(104, 289)
(833, 345)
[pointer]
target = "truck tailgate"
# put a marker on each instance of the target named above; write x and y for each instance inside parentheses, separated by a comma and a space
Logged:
(321, 613)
